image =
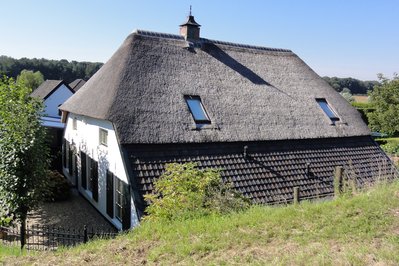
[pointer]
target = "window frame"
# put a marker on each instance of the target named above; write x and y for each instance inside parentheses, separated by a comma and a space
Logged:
(335, 118)
(205, 113)
(118, 198)
(89, 177)
(103, 137)
(74, 124)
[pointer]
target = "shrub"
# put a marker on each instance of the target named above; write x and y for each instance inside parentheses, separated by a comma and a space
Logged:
(185, 191)
(391, 147)
(58, 187)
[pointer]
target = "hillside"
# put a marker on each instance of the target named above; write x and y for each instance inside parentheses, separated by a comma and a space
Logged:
(359, 230)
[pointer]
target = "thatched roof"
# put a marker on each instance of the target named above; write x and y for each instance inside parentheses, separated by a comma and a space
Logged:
(47, 88)
(250, 93)
(77, 84)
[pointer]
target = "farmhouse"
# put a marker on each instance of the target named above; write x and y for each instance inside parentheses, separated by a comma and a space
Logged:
(260, 114)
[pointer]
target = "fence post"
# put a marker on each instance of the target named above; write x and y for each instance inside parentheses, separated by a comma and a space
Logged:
(23, 233)
(85, 237)
(296, 195)
(338, 181)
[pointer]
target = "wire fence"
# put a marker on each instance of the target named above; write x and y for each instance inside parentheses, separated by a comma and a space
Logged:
(51, 237)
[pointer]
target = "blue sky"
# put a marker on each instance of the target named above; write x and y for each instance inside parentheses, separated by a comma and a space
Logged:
(344, 38)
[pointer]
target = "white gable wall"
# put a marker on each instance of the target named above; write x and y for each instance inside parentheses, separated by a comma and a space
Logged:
(86, 139)
(58, 97)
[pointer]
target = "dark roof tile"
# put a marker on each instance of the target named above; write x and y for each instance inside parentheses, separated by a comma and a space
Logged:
(263, 178)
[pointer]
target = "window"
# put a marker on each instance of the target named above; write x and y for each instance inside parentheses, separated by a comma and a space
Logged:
(83, 170)
(65, 153)
(118, 199)
(92, 179)
(197, 110)
(89, 181)
(328, 110)
(74, 124)
(110, 194)
(103, 137)
(122, 203)
(89, 176)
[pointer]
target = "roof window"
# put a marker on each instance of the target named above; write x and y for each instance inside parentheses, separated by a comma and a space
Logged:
(328, 110)
(197, 109)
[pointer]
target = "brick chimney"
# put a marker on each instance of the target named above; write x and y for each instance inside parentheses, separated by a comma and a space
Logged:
(190, 30)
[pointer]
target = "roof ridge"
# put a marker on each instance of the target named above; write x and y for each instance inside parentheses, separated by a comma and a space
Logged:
(204, 40)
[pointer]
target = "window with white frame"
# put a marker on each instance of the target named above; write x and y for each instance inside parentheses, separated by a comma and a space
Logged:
(197, 109)
(328, 110)
(103, 137)
(119, 199)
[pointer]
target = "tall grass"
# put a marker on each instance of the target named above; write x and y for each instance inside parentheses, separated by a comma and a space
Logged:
(360, 230)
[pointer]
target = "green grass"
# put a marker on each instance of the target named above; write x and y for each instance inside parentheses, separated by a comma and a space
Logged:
(7, 251)
(359, 230)
(388, 139)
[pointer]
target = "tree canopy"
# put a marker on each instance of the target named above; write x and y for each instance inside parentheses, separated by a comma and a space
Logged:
(30, 79)
(355, 86)
(51, 69)
(23, 151)
(385, 99)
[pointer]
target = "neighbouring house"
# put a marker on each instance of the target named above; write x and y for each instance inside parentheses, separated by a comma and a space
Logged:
(53, 93)
(260, 114)
(77, 84)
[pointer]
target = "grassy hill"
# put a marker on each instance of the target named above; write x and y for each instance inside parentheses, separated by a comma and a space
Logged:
(360, 230)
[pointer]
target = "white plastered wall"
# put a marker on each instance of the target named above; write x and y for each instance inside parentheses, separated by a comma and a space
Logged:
(57, 98)
(86, 138)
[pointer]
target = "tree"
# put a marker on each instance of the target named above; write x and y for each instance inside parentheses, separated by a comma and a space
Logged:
(23, 151)
(30, 79)
(385, 100)
(51, 69)
(346, 93)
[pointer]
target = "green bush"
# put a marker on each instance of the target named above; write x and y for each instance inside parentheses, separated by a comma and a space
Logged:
(185, 191)
(389, 145)
(58, 187)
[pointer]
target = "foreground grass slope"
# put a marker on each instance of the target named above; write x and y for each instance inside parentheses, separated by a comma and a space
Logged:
(362, 229)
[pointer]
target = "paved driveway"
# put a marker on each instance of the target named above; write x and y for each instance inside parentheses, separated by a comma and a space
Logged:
(74, 213)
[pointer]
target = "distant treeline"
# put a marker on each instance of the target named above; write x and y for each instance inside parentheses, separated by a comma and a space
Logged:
(51, 69)
(354, 85)
(69, 71)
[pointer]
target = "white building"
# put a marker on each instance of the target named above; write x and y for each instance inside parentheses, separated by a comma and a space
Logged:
(53, 93)
(93, 163)
(259, 114)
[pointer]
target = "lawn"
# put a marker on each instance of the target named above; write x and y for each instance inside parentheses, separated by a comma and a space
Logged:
(7, 251)
(360, 230)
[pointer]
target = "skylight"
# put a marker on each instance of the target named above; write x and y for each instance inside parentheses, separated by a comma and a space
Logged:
(328, 110)
(197, 110)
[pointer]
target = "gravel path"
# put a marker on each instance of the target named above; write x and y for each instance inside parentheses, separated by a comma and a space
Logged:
(72, 213)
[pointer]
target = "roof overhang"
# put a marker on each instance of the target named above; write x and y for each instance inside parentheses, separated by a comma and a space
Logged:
(54, 122)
